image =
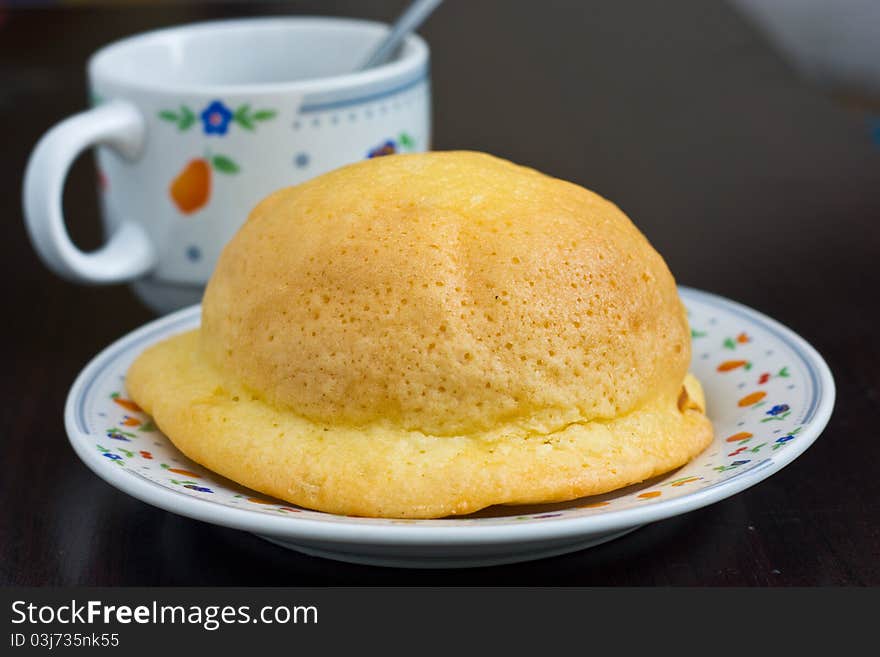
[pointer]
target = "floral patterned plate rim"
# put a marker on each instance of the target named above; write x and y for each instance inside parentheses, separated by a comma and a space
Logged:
(769, 395)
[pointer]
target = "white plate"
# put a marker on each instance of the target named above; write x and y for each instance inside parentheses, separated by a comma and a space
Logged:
(769, 395)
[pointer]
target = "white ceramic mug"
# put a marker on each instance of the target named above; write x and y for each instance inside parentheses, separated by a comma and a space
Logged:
(195, 124)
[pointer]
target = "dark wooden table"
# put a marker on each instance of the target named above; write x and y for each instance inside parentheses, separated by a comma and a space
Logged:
(750, 182)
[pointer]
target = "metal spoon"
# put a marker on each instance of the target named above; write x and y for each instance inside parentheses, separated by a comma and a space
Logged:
(408, 22)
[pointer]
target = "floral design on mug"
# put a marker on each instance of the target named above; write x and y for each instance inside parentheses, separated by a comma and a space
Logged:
(386, 148)
(190, 190)
(247, 118)
(216, 117)
(184, 119)
(390, 146)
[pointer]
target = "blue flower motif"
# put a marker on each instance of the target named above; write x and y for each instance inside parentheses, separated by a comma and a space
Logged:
(778, 409)
(215, 118)
(388, 148)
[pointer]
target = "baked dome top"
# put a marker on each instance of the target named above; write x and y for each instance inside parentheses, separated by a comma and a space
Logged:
(446, 293)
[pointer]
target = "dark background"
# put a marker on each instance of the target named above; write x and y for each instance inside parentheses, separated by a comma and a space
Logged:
(750, 181)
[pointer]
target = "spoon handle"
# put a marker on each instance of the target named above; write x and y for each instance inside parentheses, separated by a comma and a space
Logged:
(408, 22)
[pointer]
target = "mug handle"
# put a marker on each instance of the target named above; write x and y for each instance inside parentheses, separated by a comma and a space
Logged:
(129, 252)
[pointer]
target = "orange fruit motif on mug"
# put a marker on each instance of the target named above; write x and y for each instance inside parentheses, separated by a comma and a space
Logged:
(191, 189)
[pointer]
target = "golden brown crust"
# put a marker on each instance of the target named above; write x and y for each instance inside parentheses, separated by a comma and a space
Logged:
(447, 292)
